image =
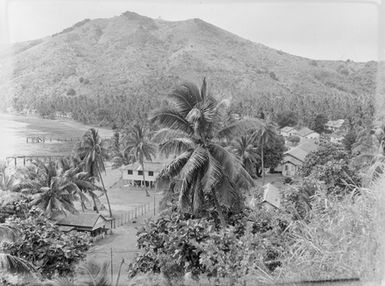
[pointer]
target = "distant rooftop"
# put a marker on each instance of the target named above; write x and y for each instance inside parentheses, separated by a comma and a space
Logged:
(302, 150)
(155, 166)
(287, 129)
(305, 131)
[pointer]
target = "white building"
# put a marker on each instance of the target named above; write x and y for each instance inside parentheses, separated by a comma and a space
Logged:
(334, 125)
(288, 131)
(133, 173)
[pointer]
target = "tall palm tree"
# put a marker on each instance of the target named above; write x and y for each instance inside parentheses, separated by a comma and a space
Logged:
(194, 128)
(93, 153)
(244, 148)
(139, 147)
(262, 136)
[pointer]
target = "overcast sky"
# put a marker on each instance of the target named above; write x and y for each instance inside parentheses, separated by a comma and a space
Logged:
(320, 30)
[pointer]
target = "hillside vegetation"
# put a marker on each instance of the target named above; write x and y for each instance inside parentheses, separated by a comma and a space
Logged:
(117, 69)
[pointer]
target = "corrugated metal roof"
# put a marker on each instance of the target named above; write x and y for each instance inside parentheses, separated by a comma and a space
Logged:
(302, 150)
(81, 220)
(155, 166)
(305, 131)
(287, 129)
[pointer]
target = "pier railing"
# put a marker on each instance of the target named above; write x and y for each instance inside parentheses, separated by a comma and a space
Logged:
(46, 138)
(23, 160)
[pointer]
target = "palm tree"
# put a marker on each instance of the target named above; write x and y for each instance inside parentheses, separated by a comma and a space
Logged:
(93, 153)
(244, 148)
(71, 169)
(57, 198)
(193, 128)
(263, 136)
(36, 176)
(139, 147)
(119, 157)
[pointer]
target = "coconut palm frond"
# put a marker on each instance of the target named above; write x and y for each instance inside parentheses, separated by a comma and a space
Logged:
(230, 163)
(165, 134)
(15, 264)
(176, 165)
(185, 97)
(176, 146)
(172, 119)
(94, 274)
(213, 174)
(196, 162)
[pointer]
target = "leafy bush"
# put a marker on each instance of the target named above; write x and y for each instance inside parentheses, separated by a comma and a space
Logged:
(175, 245)
(41, 243)
(326, 152)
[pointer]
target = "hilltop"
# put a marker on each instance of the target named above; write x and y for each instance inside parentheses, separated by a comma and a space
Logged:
(109, 69)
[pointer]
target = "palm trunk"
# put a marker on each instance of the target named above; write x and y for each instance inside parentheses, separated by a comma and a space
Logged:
(95, 206)
(263, 166)
(144, 180)
(219, 209)
(105, 193)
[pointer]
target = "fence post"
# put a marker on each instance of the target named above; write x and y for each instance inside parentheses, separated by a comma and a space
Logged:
(154, 205)
(112, 267)
(136, 212)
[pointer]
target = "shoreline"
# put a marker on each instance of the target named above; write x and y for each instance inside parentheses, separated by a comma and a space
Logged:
(16, 128)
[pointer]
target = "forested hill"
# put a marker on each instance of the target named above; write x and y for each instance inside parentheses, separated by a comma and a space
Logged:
(115, 69)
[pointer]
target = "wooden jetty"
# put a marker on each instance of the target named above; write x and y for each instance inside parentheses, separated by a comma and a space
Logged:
(25, 159)
(44, 139)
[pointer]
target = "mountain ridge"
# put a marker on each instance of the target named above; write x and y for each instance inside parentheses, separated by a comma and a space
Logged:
(93, 64)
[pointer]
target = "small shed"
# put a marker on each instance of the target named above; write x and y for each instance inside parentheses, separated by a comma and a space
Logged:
(294, 158)
(92, 223)
(271, 196)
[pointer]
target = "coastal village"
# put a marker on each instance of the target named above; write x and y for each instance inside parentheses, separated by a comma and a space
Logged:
(142, 151)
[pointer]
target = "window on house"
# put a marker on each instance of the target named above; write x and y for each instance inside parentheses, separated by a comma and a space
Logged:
(150, 173)
(129, 172)
(140, 173)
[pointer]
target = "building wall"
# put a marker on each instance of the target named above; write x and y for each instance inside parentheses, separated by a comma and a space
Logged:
(313, 135)
(289, 170)
(136, 177)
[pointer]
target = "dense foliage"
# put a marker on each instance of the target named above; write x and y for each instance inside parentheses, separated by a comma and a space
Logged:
(50, 250)
(175, 244)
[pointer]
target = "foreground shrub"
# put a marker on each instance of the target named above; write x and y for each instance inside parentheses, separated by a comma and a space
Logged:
(176, 244)
(40, 242)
